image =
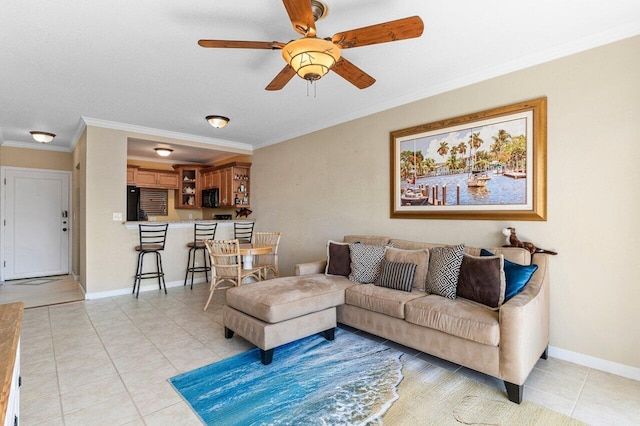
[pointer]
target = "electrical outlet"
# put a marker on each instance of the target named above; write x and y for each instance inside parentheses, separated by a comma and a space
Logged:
(117, 217)
(190, 216)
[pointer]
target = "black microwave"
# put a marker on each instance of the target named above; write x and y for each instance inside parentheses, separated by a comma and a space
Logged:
(211, 197)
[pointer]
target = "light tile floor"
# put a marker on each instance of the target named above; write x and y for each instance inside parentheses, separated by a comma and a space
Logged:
(107, 361)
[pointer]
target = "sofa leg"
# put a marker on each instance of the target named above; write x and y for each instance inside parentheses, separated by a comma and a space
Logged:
(545, 354)
(266, 356)
(329, 334)
(514, 392)
(228, 334)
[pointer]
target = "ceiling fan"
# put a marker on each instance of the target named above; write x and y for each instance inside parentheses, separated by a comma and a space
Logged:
(311, 57)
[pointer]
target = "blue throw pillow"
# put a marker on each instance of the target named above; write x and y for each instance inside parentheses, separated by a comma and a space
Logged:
(517, 276)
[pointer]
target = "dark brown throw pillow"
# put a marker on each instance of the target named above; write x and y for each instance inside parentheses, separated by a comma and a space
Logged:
(338, 259)
(482, 280)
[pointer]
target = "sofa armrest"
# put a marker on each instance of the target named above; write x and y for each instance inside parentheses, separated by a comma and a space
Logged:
(309, 268)
(524, 325)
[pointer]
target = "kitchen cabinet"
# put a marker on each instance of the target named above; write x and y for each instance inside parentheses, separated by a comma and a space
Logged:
(233, 181)
(189, 189)
(131, 175)
(149, 178)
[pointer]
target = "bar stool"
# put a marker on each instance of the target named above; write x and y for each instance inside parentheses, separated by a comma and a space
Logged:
(152, 240)
(243, 232)
(201, 232)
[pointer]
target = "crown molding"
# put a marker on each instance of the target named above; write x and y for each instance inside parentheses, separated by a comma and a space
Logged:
(164, 133)
(36, 145)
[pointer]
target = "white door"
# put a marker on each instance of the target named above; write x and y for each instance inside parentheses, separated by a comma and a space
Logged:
(36, 223)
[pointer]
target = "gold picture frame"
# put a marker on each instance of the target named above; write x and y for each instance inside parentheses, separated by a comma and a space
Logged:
(489, 165)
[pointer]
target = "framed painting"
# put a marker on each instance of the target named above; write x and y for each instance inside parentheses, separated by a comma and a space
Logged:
(488, 165)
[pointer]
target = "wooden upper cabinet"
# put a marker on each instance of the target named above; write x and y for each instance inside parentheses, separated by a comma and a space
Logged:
(131, 175)
(149, 178)
(188, 195)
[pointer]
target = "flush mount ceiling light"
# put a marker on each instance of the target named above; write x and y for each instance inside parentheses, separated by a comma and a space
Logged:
(217, 121)
(42, 137)
(163, 152)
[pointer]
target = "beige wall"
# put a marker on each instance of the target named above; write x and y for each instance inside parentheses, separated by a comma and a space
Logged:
(336, 181)
(35, 158)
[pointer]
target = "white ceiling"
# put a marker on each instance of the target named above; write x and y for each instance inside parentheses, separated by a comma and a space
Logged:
(136, 64)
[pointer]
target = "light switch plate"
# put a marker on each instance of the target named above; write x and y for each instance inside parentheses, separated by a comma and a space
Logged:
(117, 217)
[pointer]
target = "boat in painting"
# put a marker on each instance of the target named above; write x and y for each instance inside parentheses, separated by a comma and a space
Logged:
(477, 179)
(414, 197)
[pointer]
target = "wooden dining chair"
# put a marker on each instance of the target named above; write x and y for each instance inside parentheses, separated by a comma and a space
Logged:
(267, 262)
(226, 265)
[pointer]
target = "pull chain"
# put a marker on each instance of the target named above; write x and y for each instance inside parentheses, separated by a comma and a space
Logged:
(312, 83)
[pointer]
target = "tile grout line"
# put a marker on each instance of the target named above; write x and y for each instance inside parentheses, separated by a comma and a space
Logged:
(584, 383)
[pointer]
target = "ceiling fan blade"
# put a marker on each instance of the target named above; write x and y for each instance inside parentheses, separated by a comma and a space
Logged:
(301, 16)
(236, 44)
(353, 74)
(400, 29)
(281, 79)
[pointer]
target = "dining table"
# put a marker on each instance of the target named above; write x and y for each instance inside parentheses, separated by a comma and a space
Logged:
(249, 250)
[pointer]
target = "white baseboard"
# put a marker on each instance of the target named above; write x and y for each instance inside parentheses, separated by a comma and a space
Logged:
(148, 287)
(596, 363)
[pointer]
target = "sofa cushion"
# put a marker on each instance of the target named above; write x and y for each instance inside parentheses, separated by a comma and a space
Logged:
(517, 276)
(338, 259)
(366, 239)
(459, 317)
(512, 254)
(365, 262)
(419, 257)
(444, 267)
(482, 280)
(380, 299)
(414, 245)
(396, 275)
(288, 297)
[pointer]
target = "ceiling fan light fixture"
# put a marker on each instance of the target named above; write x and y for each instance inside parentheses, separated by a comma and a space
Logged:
(42, 137)
(217, 121)
(310, 57)
(163, 152)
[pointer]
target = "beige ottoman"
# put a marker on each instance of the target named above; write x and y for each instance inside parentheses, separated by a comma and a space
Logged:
(278, 311)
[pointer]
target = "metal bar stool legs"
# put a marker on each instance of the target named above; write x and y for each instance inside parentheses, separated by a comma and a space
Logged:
(201, 232)
(152, 240)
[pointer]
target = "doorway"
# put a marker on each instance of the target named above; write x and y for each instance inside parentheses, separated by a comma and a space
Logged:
(36, 223)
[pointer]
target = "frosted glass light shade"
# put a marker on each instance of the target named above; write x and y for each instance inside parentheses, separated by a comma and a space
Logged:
(217, 121)
(311, 57)
(163, 152)
(42, 137)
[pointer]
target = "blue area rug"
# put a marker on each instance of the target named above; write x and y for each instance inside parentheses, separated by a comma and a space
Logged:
(312, 381)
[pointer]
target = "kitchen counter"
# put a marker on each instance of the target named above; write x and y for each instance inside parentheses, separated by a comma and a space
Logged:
(186, 223)
(10, 321)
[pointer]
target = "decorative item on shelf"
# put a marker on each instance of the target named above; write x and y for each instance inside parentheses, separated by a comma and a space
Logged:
(186, 178)
(241, 188)
(243, 212)
(188, 190)
(513, 241)
(191, 201)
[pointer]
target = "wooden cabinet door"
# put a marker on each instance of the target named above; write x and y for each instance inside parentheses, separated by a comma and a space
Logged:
(226, 190)
(131, 175)
(146, 178)
(167, 180)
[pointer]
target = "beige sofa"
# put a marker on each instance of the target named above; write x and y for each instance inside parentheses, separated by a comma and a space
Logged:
(505, 344)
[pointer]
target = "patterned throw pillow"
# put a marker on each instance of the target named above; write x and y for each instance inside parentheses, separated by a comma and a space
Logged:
(396, 275)
(338, 259)
(482, 280)
(444, 267)
(365, 262)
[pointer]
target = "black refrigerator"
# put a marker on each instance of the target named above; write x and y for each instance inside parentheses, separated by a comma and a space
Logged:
(133, 203)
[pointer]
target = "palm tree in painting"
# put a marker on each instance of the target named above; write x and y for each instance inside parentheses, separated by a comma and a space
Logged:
(452, 162)
(444, 148)
(428, 164)
(475, 142)
(499, 143)
(462, 150)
